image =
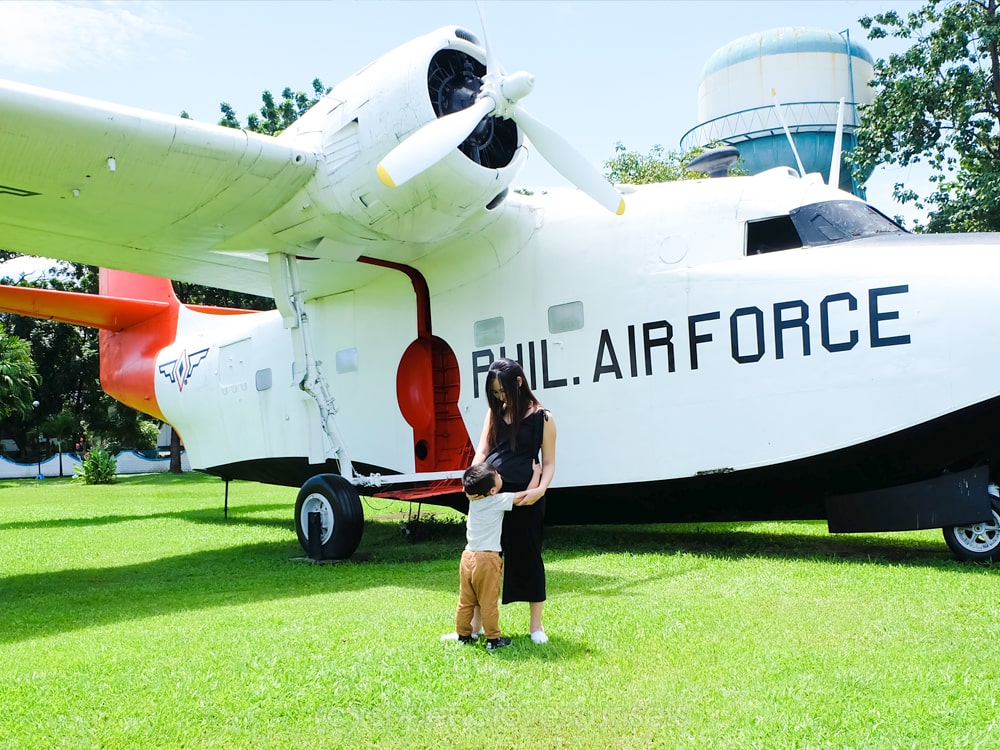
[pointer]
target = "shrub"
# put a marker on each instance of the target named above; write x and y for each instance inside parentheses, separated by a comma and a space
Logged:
(98, 467)
(149, 434)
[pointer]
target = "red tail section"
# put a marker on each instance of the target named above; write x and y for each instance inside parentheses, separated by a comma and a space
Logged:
(137, 317)
(128, 354)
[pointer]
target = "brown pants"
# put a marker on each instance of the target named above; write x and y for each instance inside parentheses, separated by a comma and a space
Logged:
(479, 578)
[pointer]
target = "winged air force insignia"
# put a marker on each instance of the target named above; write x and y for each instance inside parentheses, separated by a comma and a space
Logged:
(179, 370)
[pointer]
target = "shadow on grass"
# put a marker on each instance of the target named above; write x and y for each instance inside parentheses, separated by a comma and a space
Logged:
(42, 604)
(738, 540)
(202, 515)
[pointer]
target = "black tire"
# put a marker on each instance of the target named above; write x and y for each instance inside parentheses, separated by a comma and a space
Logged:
(979, 542)
(341, 515)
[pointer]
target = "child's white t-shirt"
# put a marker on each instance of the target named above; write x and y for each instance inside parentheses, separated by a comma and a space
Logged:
(485, 521)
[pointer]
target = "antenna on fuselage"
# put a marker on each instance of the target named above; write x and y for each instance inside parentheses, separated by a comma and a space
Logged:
(788, 133)
(715, 162)
(837, 145)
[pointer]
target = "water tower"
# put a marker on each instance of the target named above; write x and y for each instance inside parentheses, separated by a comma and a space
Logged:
(809, 70)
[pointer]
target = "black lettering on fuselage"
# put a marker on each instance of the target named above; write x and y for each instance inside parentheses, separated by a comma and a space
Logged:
(749, 330)
(648, 342)
(824, 321)
(605, 348)
(781, 325)
(480, 368)
(698, 338)
(633, 363)
(734, 333)
(548, 382)
(875, 316)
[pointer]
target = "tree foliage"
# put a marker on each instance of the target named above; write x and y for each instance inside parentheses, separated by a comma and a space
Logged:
(275, 116)
(18, 376)
(659, 165)
(939, 103)
(195, 294)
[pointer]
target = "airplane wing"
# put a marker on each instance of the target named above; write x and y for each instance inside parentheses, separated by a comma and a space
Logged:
(131, 190)
(125, 188)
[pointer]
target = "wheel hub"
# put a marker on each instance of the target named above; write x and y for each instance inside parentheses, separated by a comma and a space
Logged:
(316, 503)
(980, 537)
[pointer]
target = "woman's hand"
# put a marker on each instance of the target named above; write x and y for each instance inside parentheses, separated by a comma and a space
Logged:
(529, 497)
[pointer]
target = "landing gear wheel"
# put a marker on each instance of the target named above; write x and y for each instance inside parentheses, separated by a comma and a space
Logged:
(341, 516)
(976, 543)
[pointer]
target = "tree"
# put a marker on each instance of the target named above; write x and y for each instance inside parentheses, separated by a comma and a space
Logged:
(61, 429)
(18, 376)
(195, 294)
(939, 103)
(67, 359)
(275, 117)
(632, 168)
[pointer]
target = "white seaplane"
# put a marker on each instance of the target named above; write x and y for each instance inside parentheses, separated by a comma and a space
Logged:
(732, 348)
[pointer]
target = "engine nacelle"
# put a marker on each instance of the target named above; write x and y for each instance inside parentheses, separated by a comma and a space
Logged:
(360, 121)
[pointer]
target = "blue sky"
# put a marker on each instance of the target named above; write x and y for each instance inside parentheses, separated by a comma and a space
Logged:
(605, 71)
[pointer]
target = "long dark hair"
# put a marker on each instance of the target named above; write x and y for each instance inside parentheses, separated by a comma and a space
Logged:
(520, 399)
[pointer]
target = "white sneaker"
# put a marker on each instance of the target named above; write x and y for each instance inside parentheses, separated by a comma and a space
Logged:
(454, 636)
(539, 637)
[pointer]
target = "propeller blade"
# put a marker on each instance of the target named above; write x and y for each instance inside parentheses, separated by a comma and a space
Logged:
(568, 162)
(492, 63)
(431, 143)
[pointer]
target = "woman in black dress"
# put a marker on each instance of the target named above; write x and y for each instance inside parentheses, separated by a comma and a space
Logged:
(516, 430)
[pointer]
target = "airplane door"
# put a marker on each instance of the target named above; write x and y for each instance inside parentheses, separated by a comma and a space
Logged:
(242, 415)
(427, 389)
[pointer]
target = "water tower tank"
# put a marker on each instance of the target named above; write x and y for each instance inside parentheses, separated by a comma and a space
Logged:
(809, 70)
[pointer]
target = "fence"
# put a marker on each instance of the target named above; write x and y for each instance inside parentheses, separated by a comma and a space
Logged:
(62, 464)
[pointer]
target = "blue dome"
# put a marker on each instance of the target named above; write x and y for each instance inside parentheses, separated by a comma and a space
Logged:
(781, 41)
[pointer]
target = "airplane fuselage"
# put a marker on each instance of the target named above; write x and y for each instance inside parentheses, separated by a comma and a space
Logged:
(674, 361)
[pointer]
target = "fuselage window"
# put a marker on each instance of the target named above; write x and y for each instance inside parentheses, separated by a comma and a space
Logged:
(769, 235)
(488, 332)
(347, 360)
(566, 317)
(263, 380)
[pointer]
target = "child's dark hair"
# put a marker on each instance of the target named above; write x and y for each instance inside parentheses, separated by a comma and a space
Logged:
(479, 479)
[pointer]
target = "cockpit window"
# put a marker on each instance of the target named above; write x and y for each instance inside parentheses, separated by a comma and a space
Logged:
(839, 221)
(818, 224)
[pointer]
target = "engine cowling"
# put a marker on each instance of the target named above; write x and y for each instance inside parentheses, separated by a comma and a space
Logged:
(354, 126)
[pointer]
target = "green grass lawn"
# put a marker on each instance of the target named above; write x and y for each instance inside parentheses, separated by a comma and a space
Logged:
(136, 616)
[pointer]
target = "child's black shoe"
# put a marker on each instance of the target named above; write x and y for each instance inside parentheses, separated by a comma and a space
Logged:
(494, 643)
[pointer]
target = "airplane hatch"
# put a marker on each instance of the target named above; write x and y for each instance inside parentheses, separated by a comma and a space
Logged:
(427, 389)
